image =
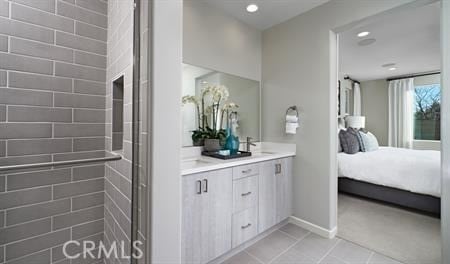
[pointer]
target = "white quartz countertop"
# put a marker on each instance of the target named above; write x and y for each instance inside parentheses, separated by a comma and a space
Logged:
(193, 162)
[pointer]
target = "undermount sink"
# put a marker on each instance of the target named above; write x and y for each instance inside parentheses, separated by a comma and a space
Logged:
(193, 163)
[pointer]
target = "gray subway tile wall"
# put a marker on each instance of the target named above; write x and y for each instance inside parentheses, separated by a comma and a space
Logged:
(3, 43)
(53, 68)
(48, 5)
(118, 173)
(40, 50)
(45, 19)
(90, 31)
(39, 114)
(25, 159)
(40, 82)
(15, 28)
(27, 213)
(2, 113)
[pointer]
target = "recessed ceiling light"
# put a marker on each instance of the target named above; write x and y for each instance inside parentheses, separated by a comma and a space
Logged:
(363, 34)
(367, 42)
(392, 68)
(251, 8)
(388, 65)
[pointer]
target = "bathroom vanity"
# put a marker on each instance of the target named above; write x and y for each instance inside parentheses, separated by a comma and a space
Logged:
(226, 203)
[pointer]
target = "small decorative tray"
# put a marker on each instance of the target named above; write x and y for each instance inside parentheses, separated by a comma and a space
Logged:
(215, 154)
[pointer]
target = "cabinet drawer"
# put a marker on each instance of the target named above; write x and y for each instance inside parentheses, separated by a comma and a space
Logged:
(245, 193)
(245, 226)
(245, 171)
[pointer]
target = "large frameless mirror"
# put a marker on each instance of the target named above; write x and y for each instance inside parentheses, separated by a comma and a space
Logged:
(239, 97)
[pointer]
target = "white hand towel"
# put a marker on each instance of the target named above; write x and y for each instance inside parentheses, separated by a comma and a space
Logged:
(291, 119)
(291, 124)
(291, 128)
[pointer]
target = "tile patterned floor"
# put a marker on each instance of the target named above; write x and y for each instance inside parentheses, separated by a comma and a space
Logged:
(294, 245)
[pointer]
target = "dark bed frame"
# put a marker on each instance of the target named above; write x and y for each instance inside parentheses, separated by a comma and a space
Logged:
(421, 202)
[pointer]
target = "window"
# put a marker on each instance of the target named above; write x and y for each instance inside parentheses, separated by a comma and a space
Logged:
(427, 112)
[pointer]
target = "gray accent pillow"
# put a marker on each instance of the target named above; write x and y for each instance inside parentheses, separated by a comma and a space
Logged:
(362, 147)
(339, 142)
(349, 141)
(369, 140)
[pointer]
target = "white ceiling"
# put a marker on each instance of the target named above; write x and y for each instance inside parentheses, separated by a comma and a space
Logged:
(410, 39)
(270, 12)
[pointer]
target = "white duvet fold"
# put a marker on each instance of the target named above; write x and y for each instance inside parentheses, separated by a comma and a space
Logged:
(417, 171)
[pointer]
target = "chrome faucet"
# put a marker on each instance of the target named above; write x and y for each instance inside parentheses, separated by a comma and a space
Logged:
(249, 143)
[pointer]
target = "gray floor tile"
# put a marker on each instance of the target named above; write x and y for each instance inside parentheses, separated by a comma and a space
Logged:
(242, 258)
(294, 256)
(294, 231)
(351, 253)
(380, 259)
(315, 247)
(271, 246)
(280, 248)
(331, 260)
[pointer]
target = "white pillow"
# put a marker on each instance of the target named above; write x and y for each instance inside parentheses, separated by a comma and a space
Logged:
(369, 140)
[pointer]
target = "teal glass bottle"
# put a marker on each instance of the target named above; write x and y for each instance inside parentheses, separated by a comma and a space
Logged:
(232, 141)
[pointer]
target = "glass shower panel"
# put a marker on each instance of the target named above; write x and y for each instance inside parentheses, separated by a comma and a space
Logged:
(142, 108)
(53, 64)
(66, 191)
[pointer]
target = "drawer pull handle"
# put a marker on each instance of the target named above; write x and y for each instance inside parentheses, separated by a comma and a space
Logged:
(205, 186)
(246, 226)
(277, 168)
(246, 194)
(199, 187)
(247, 171)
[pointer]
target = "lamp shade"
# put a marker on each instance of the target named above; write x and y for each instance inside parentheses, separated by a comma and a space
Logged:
(356, 121)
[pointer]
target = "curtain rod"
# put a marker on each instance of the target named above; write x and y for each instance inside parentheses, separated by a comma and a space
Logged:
(412, 76)
(348, 78)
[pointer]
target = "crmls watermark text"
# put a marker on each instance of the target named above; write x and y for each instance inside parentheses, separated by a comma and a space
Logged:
(89, 249)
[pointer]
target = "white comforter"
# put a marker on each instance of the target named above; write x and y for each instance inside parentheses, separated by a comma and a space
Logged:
(412, 170)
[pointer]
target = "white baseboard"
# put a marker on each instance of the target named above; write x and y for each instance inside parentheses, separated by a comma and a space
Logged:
(313, 228)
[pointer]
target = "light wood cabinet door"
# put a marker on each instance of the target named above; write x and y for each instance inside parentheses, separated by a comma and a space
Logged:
(267, 214)
(283, 176)
(219, 211)
(194, 219)
(206, 215)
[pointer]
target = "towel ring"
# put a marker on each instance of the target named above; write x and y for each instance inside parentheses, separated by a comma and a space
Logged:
(292, 109)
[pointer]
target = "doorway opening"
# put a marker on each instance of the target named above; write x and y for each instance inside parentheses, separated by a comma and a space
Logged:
(389, 141)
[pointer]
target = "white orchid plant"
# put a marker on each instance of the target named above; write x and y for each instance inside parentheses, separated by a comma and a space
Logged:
(213, 102)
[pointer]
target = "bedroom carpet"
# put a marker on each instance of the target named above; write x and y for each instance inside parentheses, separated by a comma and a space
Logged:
(406, 236)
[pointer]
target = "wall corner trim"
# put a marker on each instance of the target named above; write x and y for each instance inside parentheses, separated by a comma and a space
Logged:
(313, 228)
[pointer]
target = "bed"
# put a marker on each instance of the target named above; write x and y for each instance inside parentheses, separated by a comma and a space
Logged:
(405, 177)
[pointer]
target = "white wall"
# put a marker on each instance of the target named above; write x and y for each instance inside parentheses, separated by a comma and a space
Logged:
(165, 135)
(375, 107)
(296, 71)
(427, 79)
(445, 200)
(220, 42)
(427, 145)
